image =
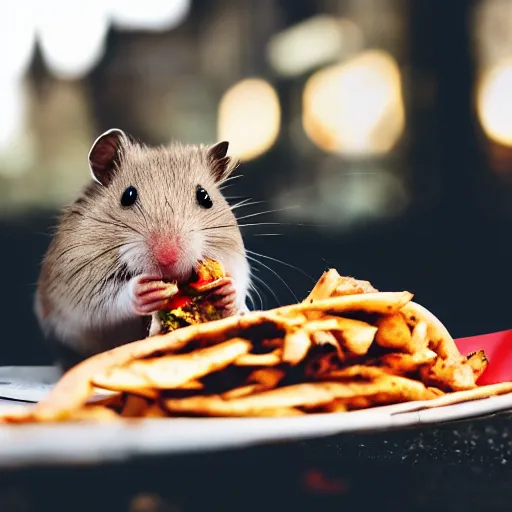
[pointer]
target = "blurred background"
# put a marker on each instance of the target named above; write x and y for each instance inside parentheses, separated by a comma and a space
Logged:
(375, 137)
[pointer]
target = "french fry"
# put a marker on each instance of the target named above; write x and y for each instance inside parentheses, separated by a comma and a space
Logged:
(297, 342)
(363, 402)
(134, 406)
(436, 391)
(359, 371)
(353, 335)
(272, 343)
(192, 384)
(380, 302)
(340, 405)
(442, 342)
(310, 394)
(322, 364)
(248, 389)
(114, 399)
(331, 284)
(327, 338)
(267, 377)
(172, 371)
(17, 414)
(400, 364)
(276, 412)
(454, 374)
(419, 337)
(258, 380)
(327, 323)
(93, 413)
(351, 286)
(269, 359)
(478, 362)
(155, 411)
(468, 395)
(325, 286)
(393, 332)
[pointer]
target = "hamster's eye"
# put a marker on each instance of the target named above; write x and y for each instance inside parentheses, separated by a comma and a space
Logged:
(203, 198)
(129, 196)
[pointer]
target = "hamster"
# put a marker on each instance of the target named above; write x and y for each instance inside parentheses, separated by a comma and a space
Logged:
(147, 217)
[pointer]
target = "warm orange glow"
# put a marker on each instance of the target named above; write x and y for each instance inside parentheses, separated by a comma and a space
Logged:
(249, 118)
(494, 103)
(355, 108)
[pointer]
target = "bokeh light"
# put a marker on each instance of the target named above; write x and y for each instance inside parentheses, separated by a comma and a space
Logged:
(494, 102)
(315, 42)
(355, 108)
(72, 38)
(152, 15)
(11, 111)
(17, 36)
(249, 118)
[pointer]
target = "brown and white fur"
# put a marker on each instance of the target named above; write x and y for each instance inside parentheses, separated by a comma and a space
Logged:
(101, 277)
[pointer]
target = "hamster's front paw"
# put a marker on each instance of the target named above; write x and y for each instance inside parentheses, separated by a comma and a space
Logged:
(149, 294)
(224, 296)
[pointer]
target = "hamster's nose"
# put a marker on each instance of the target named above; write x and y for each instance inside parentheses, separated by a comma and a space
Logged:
(165, 251)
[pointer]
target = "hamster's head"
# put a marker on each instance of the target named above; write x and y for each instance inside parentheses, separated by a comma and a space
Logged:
(164, 206)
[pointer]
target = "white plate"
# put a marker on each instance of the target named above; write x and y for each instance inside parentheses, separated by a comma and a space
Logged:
(27, 383)
(86, 443)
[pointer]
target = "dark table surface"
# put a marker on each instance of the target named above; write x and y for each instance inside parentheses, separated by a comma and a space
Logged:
(457, 466)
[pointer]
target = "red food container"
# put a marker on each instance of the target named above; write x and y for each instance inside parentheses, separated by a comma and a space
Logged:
(497, 347)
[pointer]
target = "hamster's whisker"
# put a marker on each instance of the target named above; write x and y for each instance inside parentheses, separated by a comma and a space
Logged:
(52, 230)
(115, 268)
(167, 202)
(88, 262)
(231, 178)
(254, 290)
(231, 198)
(241, 204)
(213, 218)
(268, 234)
(257, 278)
(122, 224)
(219, 238)
(267, 211)
(280, 261)
(142, 212)
(208, 228)
(268, 224)
(215, 246)
(225, 187)
(244, 200)
(227, 180)
(80, 297)
(71, 248)
(97, 289)
(112, 222)
(252, 258)
(250, 299)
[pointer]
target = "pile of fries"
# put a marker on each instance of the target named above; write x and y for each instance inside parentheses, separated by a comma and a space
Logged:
(347, 346)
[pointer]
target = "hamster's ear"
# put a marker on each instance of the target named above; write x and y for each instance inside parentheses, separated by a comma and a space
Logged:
(221, 165)
(105, 155)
